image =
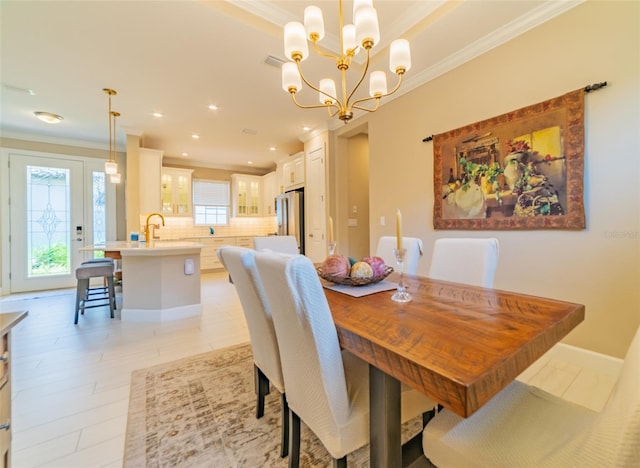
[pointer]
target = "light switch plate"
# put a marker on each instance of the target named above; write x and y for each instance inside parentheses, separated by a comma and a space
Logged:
(189, 267)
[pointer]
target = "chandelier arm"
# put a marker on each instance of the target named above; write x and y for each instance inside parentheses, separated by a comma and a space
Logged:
(364, 73)
(368, 98)
(311, 106)
(322, 53)
(315, 88)
(356, 106)
(400, 75)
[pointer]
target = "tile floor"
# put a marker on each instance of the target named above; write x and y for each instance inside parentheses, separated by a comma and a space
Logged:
(71, 383)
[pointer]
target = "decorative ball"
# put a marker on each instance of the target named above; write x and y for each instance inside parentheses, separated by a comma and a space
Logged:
(361, 270)
(336, 265)
(377, 265)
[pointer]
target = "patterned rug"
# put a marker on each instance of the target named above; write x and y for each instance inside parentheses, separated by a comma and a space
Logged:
(200, 412)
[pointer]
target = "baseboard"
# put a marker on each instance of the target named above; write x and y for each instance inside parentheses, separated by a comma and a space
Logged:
(161, 315)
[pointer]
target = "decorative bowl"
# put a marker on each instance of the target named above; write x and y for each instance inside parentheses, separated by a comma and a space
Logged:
(352, 281)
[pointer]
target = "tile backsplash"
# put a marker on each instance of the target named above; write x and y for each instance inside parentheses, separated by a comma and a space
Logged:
(180, 228)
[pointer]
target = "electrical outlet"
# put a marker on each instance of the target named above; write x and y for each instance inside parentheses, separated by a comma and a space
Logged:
(383, 221)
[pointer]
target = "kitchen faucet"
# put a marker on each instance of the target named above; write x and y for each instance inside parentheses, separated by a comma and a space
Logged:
(146, 226)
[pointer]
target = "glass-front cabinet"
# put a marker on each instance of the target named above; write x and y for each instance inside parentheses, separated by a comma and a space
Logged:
(176, 191)
(247, 191)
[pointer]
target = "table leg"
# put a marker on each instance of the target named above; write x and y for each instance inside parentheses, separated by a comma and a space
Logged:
(384, 418)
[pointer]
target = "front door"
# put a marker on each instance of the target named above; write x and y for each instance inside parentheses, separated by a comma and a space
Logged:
(47, 221)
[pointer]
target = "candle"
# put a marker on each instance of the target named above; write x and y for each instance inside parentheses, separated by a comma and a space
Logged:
(330, 229)
(399, 229)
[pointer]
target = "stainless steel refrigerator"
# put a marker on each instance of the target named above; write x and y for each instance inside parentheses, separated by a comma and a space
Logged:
(290, 215)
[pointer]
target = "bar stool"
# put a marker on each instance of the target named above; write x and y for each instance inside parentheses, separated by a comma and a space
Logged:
(86, 294)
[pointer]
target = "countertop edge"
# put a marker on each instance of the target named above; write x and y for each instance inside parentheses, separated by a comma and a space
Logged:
(8, 320)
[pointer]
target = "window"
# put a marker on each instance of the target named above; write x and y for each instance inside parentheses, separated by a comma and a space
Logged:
(211, 202)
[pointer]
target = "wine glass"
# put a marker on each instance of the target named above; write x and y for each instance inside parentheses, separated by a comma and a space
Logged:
(401, 294)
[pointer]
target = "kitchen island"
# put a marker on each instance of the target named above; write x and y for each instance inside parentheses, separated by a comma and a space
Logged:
(160, 279)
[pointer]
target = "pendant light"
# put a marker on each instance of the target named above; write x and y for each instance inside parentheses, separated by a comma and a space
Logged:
(111, 167)
(115, 178)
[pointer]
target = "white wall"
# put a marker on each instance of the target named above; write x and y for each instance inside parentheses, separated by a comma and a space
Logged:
(599, 266)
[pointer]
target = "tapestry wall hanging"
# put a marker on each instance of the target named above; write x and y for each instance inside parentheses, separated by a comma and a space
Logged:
(520, 170)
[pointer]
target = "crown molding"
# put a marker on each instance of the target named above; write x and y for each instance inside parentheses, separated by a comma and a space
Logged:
(54, 140)
(502, 35)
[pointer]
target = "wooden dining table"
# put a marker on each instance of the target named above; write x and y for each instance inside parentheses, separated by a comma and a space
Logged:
(458, 344)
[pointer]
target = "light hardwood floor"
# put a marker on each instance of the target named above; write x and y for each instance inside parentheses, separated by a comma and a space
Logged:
(71, 383)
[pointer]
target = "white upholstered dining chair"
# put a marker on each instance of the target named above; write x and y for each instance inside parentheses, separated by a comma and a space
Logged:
(282, 244)
(526, 427)
(413, 245)
(465, 260)
(328, 389)
(239, 262)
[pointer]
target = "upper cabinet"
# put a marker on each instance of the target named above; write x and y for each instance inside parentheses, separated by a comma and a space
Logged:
(176, 191)
(270, 191)
(150, 171)
(293, 172)
(246, 195)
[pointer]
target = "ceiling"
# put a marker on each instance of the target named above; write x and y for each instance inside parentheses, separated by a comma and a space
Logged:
(178, 57)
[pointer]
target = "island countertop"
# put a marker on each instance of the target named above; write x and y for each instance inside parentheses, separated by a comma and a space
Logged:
(126, 248)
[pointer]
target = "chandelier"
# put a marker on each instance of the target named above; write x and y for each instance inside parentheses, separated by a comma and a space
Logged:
(111, 167)
(363, 34)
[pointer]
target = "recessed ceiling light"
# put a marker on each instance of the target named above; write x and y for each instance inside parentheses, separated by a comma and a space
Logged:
(157, 114)
(195, 136)
(48, 117)
(185, 154)
(249, 162)
(272, 148)
(213, 107)
(306, 129)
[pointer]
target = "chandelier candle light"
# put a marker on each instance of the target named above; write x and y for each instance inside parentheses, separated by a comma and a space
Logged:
(363, 34)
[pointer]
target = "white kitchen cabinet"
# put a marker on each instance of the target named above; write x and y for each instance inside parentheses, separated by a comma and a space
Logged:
(246, 195)
(150, 170)
(7, 322)
(176, 191)
(293, 172)
(209, 254)
(270, 191)
(246, 242)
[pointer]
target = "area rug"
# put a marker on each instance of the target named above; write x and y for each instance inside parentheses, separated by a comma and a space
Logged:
(200, 412)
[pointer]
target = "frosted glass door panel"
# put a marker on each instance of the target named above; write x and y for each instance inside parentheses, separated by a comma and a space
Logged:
(48, 226)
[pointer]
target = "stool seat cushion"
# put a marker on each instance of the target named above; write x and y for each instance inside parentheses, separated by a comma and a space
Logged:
(94, 270)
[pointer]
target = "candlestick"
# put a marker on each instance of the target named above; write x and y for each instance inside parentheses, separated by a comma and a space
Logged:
(399, 230)
(401, 294)
(330, 229)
